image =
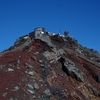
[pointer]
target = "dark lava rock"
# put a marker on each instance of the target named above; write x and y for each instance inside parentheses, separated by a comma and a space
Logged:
(70, 68)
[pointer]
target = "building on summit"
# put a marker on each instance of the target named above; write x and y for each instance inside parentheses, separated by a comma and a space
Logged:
(37, 33)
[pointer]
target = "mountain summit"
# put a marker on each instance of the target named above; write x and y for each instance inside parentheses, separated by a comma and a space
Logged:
(46, 66)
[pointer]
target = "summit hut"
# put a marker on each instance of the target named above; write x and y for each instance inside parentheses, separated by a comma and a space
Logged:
(38, 33)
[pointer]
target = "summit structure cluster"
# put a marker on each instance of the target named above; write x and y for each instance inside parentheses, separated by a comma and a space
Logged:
(40, 32)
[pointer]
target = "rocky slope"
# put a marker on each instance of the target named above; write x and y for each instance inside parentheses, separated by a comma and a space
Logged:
(56, 68)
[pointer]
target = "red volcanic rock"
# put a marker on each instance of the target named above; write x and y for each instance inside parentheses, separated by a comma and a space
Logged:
(33, 70)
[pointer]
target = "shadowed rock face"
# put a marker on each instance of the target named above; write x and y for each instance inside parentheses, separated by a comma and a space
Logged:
(71, 70)
(58, 69)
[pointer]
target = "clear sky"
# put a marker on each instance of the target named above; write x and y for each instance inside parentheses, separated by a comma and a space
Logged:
(80, 17)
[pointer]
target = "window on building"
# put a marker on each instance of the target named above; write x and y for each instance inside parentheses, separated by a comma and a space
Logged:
(38, 34)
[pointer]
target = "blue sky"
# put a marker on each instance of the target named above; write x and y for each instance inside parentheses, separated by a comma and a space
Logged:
(80, 17)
